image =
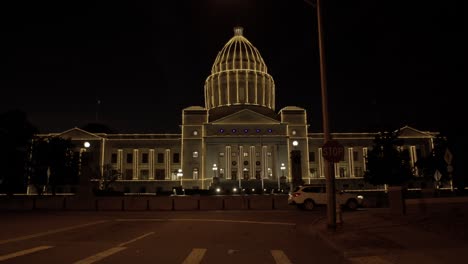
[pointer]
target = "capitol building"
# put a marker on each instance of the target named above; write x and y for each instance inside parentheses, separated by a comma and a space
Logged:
(236, 140)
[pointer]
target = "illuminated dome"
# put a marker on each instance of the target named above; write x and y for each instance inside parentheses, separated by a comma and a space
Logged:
(239, 77)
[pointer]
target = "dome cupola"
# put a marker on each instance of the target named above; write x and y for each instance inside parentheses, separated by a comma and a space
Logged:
(239, 77)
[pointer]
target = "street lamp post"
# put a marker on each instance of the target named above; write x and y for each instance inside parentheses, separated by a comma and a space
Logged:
(282, 175)
(180, 175)
(215, 170)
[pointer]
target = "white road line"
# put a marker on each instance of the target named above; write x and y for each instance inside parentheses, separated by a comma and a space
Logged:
(195, 256)
(201, 220)
(280, 257)
(50, 232)
(368, 260)
(135, 239)
(111, 251)
(100, 255)
(23, 252)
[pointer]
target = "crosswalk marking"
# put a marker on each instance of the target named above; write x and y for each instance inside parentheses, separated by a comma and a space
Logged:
(50, 232)
(195, 256)
(23, 252)
(111, 251)
(280, 257)
(369, 259)
(100, 255)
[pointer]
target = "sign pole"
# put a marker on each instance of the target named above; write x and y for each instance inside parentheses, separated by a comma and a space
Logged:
(328, 169)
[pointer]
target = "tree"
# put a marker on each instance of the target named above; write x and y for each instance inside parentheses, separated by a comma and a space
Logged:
(427, 166)
(106, 179)
(52, 163)
(386, 163)
(16, 133)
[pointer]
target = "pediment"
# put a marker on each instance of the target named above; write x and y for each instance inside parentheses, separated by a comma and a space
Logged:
(246, 116)
(408, 131)
(77, 133)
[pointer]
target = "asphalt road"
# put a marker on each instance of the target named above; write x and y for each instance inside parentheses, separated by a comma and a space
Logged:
(164, 237)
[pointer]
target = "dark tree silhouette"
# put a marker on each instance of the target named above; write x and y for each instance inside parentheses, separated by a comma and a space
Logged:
(457, 143)
(386, 164)
(53, 162)
(16, 133)
(427, 166)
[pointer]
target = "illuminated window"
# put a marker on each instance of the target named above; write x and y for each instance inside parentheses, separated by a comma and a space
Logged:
(195, 173)
(246, 154)
(195, 154)
(221, 154)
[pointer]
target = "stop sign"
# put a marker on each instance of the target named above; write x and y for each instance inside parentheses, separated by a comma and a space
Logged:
(333, 151)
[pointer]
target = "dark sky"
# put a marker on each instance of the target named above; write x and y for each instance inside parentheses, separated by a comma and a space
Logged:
(389, 63)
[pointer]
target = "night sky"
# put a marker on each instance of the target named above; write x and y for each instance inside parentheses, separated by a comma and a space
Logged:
(389, 63)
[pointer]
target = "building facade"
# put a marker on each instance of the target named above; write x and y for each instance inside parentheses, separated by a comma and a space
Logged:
(237, 140)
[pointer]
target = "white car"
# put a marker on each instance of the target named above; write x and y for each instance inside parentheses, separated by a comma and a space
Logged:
(309, 196)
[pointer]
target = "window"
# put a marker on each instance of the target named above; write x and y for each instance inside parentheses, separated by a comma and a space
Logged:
(221, 154)
(176, 158)
(311, 156)
(159, 174)
(355, 156)
(160, 158)
(358, 172)
(195, 173)
(129, 158)
(144, 174)
(246, 154)
(195, 154)
(144, 158)
(114, 158)
(128, 174)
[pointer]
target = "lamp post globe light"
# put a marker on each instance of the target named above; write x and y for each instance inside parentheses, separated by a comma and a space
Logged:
(179, 175)
(215, 170)
(282, 175)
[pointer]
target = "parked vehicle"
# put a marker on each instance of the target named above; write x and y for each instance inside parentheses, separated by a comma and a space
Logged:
(309, 196)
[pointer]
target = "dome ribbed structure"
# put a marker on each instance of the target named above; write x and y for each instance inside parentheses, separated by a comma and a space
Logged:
(239, 76)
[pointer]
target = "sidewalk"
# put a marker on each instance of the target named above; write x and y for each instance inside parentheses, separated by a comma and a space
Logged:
(373, 235)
